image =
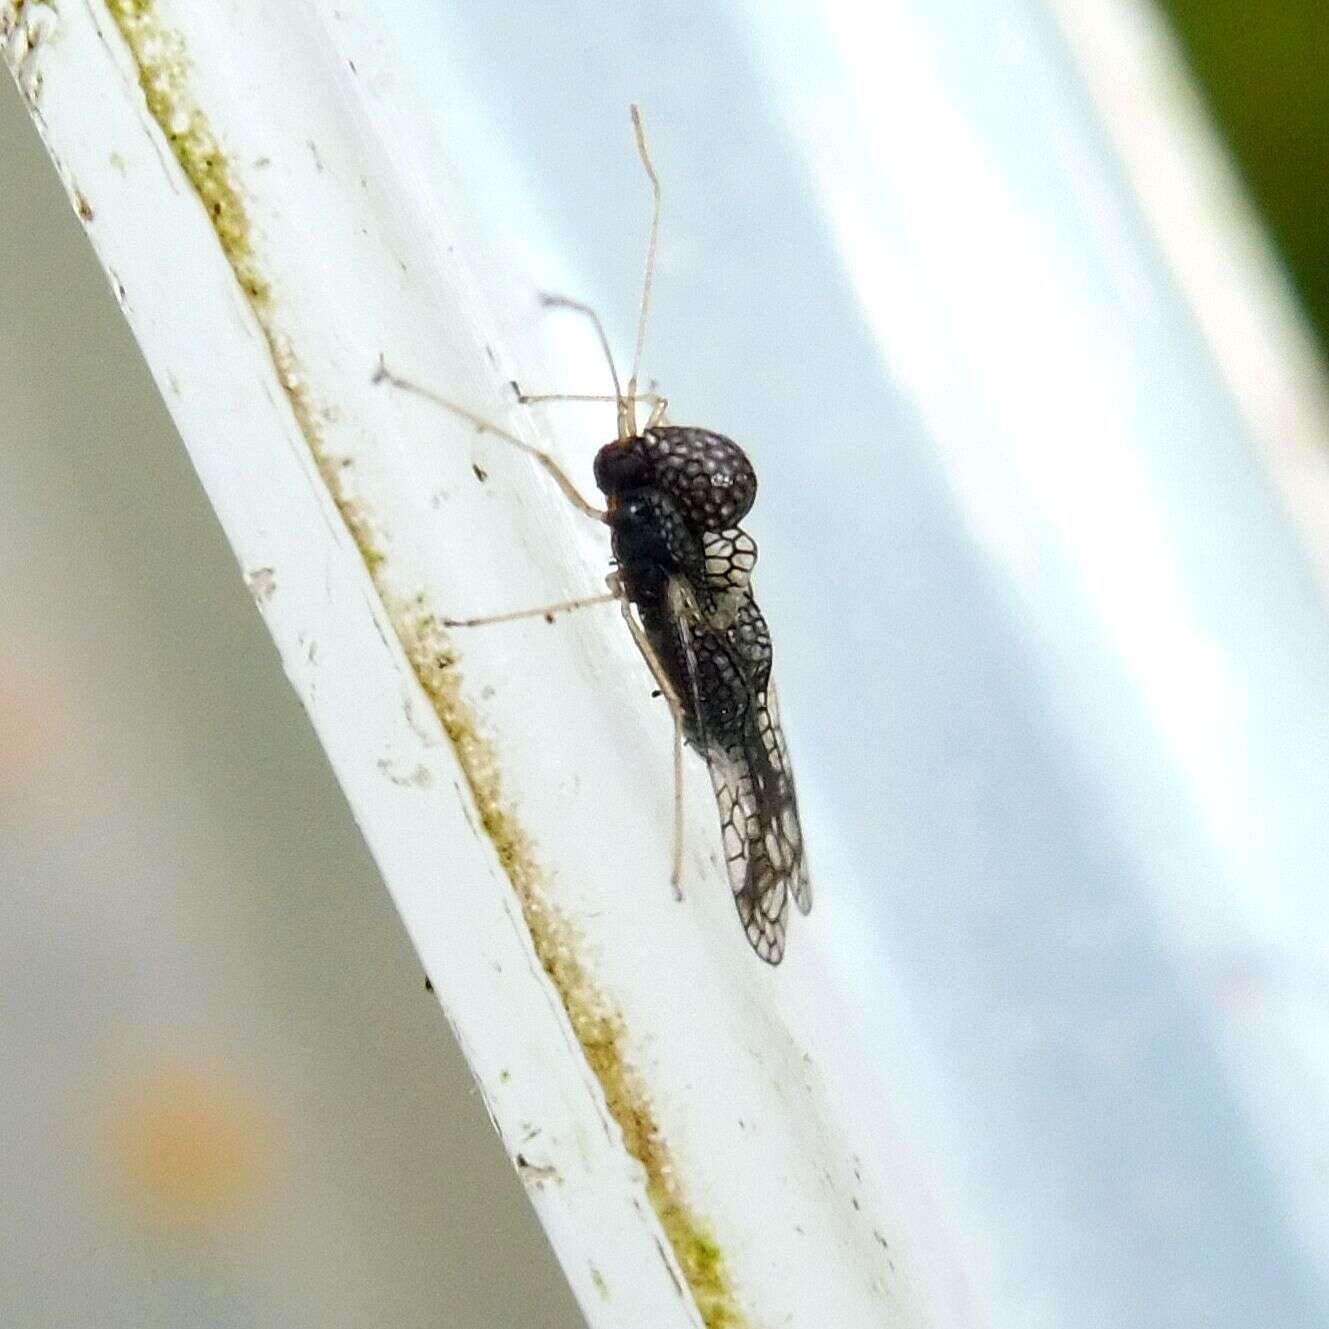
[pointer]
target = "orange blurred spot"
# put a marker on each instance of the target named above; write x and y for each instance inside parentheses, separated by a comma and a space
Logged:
(31, 723)
(193, 1147)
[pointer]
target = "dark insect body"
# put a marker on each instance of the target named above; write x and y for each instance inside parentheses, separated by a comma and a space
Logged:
(674, 499)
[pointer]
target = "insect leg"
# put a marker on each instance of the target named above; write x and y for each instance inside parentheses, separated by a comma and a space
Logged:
(658, 403)
(627, 417)
(540, 611)
(560, 477)
(670, 694)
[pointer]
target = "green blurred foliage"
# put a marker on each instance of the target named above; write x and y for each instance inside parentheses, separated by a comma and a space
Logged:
(1265, 67)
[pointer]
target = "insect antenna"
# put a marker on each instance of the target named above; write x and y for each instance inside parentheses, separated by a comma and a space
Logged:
(626, 401)
(643, 152)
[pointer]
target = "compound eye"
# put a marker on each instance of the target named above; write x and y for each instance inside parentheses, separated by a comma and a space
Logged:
(708, 476)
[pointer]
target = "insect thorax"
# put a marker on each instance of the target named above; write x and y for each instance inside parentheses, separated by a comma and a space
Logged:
(675, 496)
(707, 475)
(652, 543)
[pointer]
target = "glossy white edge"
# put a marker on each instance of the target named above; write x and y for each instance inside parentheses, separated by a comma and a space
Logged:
(1216, 247)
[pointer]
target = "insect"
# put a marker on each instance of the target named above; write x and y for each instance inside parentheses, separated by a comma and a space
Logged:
(674, 498)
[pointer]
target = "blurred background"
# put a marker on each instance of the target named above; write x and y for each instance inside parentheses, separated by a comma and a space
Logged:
(1261, 68)
(228, 1098)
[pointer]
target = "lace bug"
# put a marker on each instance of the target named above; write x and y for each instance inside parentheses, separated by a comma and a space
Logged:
(674, 498)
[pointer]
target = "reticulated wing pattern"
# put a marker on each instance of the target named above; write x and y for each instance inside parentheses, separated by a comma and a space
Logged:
(729, 557)
(784, 830)
(760, 891)
(727, 658)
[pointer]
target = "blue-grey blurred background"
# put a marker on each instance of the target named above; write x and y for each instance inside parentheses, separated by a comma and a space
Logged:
(227, 1098)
